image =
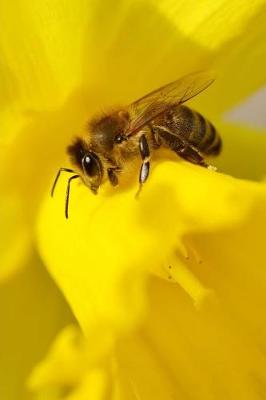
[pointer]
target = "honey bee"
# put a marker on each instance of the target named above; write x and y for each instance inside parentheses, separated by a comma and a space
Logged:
(156, 120)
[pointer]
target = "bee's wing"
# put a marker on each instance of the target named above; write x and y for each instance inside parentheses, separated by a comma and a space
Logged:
(150, 106)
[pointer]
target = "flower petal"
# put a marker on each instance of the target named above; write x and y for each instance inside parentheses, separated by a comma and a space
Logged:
(222, 30)
(16, 241)
(42, 65)
(240, 66)
(36, 78)
(63, 47)
(100, 256)
(32, 311)
(69, 370)
(243, 152)
(181, 37)
(204, 23)
(200, 354)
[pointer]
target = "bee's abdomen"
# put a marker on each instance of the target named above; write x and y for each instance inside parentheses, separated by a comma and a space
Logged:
(205, 136)
(195, 129)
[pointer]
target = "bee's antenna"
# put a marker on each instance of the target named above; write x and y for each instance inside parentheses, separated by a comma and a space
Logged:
(57, 177)
(68, 192)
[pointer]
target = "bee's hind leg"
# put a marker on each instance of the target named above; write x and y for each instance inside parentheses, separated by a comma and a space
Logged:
(145, 166)
(191, 154)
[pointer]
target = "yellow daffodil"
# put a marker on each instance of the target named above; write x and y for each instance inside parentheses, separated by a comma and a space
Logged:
(161, 297)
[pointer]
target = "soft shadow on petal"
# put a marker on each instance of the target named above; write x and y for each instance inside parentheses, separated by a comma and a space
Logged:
(16, 240)
(32, 312)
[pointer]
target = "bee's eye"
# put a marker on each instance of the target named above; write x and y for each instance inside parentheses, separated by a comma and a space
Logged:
(120, 138)
(91, 165)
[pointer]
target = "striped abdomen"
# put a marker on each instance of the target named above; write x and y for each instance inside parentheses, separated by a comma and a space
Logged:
(191, 126)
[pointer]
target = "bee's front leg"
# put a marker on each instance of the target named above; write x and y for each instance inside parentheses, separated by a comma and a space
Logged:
(145, 166)
(112, 175)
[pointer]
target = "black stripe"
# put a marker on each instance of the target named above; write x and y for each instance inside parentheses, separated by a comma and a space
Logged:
(209, 138)
(216, 146)
(201, 126)
(199, 129)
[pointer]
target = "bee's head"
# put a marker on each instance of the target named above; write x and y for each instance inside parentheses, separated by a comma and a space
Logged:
(88, 162)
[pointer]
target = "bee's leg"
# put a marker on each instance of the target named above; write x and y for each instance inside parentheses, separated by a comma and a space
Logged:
(112, 176)
(68, 193)
(156, 140)
(190, 153)
(145, 166)
(57, 177)
(182, 148)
